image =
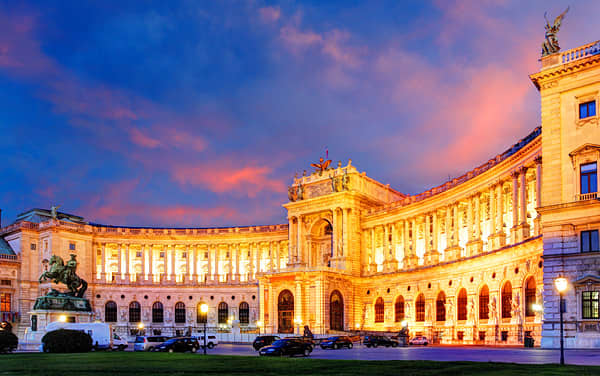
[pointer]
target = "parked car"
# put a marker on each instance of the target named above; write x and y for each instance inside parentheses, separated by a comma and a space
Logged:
(419, 340)
(119, 343)
(148, 343)
(286, 346)
(262, 341)
(180, 344)
(211, 340)
(336, 342)
(379, 341)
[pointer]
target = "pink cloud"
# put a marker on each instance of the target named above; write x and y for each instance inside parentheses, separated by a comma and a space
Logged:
(269, 14)
(227, 176)
(295, 40)
(142, 139)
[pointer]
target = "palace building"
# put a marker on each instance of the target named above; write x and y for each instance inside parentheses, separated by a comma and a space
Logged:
(472, 261)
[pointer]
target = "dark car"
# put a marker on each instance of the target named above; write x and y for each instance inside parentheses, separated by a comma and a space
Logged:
(336, 343)
(286, 346)
(262, 341)
(380, 341)
(180, 344)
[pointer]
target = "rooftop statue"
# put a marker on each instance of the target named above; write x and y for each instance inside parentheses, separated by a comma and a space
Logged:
(550, 45)
(65, 273)
(53, 211)
(321, 166)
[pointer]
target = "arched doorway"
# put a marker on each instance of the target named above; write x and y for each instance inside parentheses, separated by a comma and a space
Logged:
(285, 310)
(336, 311)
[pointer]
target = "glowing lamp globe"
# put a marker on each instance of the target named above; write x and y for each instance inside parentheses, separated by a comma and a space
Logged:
(561, 284)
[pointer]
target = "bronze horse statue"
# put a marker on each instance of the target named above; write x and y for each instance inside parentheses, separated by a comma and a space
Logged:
(61, 273)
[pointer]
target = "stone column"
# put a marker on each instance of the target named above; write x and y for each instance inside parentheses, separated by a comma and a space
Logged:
(103, 269)
(151, 263)
(258, 256)
(343, 251)
(237, 252)
(538, 193)
(171, 272)
(272, 256)
(217, 251)
(386, 248)
(455, 239)
(501, 235)
(300, 248)
(393, 258)
(119, 275)
(277, 256)
(515, 199)
(230, 262)
(209, 277)
(335, 239)
(195, 258)
(127, 264)
(492, 203)
(433, 255)
(188, 264)
(469, 219)
(144, 273)
(298, 306)
(475, 245)
(448, 229)
(365, 253)
(373, 266)
(410, 258)
(291, 237)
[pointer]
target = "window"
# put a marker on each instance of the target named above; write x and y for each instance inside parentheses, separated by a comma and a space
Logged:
(200, 317)
(244, 313)
(399, 309)
(157, 312)
(589, 305)
(379, 310)
(484, 301)
(205, 255)
(461, 308)
(223, 313)
(420, 308)
(110, 311)
(589, 241)
(180, 313)
(587, 109)
(135, 312)
(506, 300)
(440, 307)
(6, 282)
(588, 178)
(71, 246)
(162, 255)
(529, 297)
(5, 302)
(32, 246)
(138, 254)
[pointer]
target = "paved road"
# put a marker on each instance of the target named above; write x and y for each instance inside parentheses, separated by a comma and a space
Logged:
(445, 353)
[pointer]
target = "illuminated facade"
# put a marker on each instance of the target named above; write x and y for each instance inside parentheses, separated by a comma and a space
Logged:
(470, 261)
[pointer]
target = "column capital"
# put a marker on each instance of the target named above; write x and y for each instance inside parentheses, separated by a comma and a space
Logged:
(523, 170)
(515, 173)
(538, 160)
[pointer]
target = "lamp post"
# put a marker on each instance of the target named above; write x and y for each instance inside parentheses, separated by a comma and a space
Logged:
(561, 286)
(259, 324)
(204, 310)
(141, 328)
(298, 322)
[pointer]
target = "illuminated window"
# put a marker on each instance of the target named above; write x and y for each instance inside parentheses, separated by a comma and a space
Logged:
(440, 307)
(244, 313)
(223, 313)
(529, 297)
(506, 300)
(484, 300)
(135, 312)
(5, 302)
(179, 313)
(462, 305)
(587, 109)
(589, 305)
(33, 246)
(420, 308)
(399, 309)
(157, 312)
(71, 246)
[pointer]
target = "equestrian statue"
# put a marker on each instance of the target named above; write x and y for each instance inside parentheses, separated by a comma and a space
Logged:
(65, 273)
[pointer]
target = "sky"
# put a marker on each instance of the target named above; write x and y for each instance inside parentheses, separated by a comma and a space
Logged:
(199, 113)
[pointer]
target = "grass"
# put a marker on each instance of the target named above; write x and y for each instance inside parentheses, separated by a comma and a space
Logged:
(149, 364)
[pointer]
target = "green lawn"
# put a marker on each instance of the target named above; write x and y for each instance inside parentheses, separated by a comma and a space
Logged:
(148, 364)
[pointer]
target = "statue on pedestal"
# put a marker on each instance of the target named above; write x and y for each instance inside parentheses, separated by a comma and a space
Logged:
(550, 44)
(61, 272)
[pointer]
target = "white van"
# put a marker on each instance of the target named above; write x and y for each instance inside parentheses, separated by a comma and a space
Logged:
(101, 333)
(211, 340)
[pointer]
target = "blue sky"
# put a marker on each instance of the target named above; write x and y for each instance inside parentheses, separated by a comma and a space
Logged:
(186, 113)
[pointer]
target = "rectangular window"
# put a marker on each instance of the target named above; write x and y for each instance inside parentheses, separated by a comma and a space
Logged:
(184, 255)
(32, 246)
(588, 178)
(71, 246)
(589, 305)
(587, 109)
(205, 255)
(504, 335)
(589, 241)
(5, 302)
(138, 254)
(6, 282)
(162, 255)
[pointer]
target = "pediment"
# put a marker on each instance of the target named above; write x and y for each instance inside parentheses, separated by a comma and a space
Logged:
(588, 278)
(585, 151)
(585, 148)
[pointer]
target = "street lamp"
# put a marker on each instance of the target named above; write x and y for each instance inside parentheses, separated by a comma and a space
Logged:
(62, 318)
(204, 311)
(259, 324)
(561, 286)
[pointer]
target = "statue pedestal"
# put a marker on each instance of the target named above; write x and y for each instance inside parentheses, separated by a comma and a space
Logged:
(30, 337)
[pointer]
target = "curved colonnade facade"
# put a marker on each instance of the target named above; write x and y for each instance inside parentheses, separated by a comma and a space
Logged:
(470, 261)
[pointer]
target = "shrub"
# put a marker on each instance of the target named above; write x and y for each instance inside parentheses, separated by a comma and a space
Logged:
(8, 341)
(67, 341)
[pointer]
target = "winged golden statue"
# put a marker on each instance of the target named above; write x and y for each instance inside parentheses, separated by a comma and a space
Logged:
(322, 165)
(550, 44)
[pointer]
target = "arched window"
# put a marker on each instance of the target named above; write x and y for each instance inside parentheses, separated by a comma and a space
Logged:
(135, 312)
(223, 313)
(157, 312)
(461, 308)
(529, 297)
(399, 309)
(200, 317)
(179, 313)
(506, 300)
(420, 308)
(379, 310)
(484, 300)
(440, 307)
(244, 313)
(110, 311)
